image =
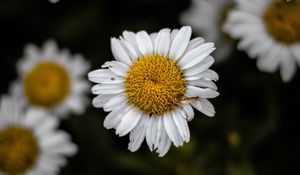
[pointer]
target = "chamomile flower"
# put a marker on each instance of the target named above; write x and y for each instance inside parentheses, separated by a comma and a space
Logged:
(270, 31)
(53, 80)
(151, 87)
(207, 18)
(30, 143)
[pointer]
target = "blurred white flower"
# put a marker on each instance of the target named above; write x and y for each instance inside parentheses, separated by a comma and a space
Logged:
(53, 1)
(207, 18)
(270, 31)
(53, 80)
(30, 143)
(151, 87)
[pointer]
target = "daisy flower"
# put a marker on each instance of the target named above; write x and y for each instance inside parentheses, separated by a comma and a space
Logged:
(151, 87)
(53, 80)
(207, 18)
(270, 31)
(29, 141)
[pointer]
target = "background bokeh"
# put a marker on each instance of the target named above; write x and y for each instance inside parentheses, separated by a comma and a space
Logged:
(255, 130)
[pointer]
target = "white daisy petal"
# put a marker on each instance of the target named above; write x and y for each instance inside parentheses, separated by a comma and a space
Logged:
(266, 44)
(46, 167)
(194, 43)
(193, 91)
(203, 84)
(101, 100)
(153, 37)
(130, 37)
(49, 49)
(246, 43)
(129, 120)
(196, 55)
(238, 31)
(118, 68)
(104, 76)
(239, 16)
(180, 42)
(173, 34)
(32, 51)
(130, 49)
(160, 125)
(81, 85)
(295, 49)
(182, 125)
(114, 117)
(144, 42)
(118, 51)
(33, 117)
(164, 144)
(107, 88)
(208, 75)
(270, 61)
(187, 111)
(138, 134)
(114, 102)
(204, 106)
(151, 132)
(78, 61)
(58, 144)
(172, 130)
(253, 7)
(288, 65)
(44, 127)
(162, 42)
(76, 105)
(200, 67)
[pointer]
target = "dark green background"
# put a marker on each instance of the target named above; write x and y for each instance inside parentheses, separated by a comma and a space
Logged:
(258, 106)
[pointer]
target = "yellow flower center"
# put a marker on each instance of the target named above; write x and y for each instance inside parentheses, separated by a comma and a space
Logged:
(282, 21)
(18, 150)
(224, 12)
(155, 84)
(234, 139)
(47, 84)
(223, 16)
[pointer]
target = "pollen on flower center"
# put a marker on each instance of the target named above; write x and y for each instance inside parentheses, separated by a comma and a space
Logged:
(282, 21)
(155, 84)
(47, 84)
(18, 150)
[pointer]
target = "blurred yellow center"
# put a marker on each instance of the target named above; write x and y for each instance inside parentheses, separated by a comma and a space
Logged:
(234, 139)
(47, 84)
(155, 84)
(282, 21)
(18, 150)
(224, 13)
(223, 16)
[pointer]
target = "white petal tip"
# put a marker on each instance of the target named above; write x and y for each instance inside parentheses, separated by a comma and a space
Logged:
(132, 149)
(211, 115)
(187, 28)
